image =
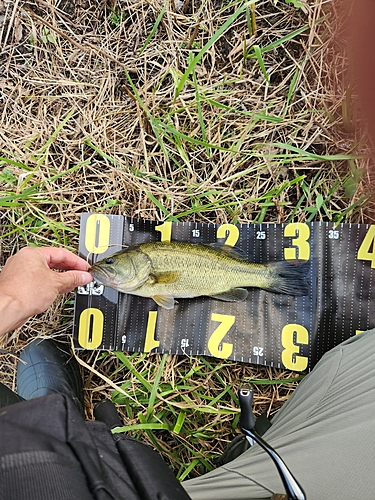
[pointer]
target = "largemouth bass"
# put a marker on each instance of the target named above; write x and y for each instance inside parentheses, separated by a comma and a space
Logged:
(165, 271)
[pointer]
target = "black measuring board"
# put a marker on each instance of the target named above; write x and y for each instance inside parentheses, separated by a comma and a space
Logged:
(267, 328)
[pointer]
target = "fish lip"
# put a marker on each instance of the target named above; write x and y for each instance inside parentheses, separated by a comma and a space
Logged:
(99, 272)
(106, 278)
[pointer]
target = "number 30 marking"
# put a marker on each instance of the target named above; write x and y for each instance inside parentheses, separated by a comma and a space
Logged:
(289, 356)
(300, 233)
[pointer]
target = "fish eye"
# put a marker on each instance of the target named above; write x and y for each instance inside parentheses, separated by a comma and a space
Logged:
(109, 260)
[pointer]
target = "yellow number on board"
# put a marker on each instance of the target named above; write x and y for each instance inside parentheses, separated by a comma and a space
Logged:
(289, 356)
(300, 233)
(232, 231)
(367, 249)
(166, 231)
(90, 328)
(150, 342)
(97, 233)
(226, 323)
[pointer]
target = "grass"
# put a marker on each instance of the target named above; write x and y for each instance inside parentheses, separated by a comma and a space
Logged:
(217, 112)
(188, 408)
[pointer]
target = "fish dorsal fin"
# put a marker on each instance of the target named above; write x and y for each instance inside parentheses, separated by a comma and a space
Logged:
(166, 278)
(232, 295)
(164, 301)
(236, 253)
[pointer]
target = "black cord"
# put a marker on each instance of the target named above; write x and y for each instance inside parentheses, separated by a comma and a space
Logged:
(293, 489)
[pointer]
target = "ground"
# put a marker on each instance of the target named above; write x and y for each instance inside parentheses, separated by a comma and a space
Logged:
(212, 111)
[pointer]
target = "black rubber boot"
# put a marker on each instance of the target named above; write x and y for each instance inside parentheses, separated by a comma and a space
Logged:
(105, 411)
(47, 366)
(8, 397)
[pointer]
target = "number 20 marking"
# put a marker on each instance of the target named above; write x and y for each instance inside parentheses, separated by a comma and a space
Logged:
(226, 322)
(233, 234)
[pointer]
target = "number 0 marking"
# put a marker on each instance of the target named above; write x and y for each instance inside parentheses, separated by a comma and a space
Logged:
(98, 228)
(289, 356)
(367, 249)
(226, 323)
(233, 234)
(300, 232)
(90, 328)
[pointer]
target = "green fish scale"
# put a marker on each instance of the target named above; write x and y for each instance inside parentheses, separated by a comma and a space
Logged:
(200, 270)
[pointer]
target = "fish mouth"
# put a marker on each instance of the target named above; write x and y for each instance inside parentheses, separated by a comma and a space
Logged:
(102, 276)
(107, 278)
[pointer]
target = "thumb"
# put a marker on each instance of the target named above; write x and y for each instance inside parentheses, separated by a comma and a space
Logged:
(69, 280)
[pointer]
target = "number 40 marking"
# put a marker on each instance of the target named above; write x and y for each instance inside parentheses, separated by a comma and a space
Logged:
(367, 249)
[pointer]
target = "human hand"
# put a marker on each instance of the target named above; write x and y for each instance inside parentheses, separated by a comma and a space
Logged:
(28, 284)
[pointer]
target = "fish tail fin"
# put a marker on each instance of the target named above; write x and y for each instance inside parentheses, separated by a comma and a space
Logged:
(289, 277)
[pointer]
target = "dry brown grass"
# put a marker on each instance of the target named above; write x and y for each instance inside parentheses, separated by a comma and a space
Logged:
(64, 59)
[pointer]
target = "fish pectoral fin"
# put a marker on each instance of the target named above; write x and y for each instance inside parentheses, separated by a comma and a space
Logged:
(166, 278)
(164, 301)
(232, 295)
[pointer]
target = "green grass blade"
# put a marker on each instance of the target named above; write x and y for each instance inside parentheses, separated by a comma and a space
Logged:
(291, 90)
(280, 41)
(312, 156)
(155, 387)
(144, 426)
(124, 359)
(162, 208)
(155, 27)
(191, 140)
(259, 116)
(208, 45)
(199, 108)
(188, 469)
(179, 422)
(258, 55)
(56, 132)
(15, 163)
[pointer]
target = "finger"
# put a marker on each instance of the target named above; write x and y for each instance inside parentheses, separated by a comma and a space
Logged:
(60, 258)
(71, 279)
